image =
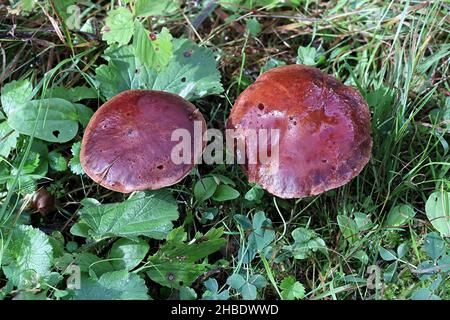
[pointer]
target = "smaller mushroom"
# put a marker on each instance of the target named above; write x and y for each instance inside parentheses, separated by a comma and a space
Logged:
(324, 130)
(43, 202)
(127, 144)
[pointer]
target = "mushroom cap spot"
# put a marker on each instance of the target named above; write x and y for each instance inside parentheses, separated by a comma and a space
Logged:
(324, 130)
(127, 144)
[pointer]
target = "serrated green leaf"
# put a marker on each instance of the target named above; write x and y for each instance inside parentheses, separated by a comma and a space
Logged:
(55, 119)
(117, 285)
(35, 167)
(126, 254)
(74, 163)
(174, 265)
(28, 251)
(306, 56)
(306, 242)
(145, 214)
(309, 56)
(56, 161)
(191, 72)
(154, 53)
(119, 26)
(15, 94)
(292, 289)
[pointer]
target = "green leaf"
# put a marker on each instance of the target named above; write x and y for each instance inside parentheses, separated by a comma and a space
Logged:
(434, 245)
(84, 114)
(8, 139)
(144, 214)
(306, 56)
(399, 215)
(424, 294)
(127, 254)
(56, 161)
(236, 281)
(362, 221)
(348, 227)
(145, 8)
(35, 168)
(263, 234)
(390, 271)
(55, 119)
(153, 50)
(73, 21)
(119, 26)
(387, 255)
(362, 256)
(248, 291)
(212, 291)
(258, 281)
(225, 193)
(117, 285)
(309, 56)
(74, 163)
(272, 63)
(253, 26)
(402, 249)
(28, 252)
(292, 289)
(191, 72)
(61, 7)
(92, 264)
(187, 293)
(437, 209)
(306, 242)
(205, 188)
(174, 265)
(73, 94)
(255, 193)
(15, 94)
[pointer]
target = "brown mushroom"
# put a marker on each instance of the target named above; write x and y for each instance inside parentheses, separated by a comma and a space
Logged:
(43, 202)
(324, 130)
(127, 144)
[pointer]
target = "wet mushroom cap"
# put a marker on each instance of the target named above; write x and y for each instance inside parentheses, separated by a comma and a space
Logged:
(324, 130)
(127, 144)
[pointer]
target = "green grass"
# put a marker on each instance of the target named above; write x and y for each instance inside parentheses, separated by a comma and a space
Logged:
(395, 52)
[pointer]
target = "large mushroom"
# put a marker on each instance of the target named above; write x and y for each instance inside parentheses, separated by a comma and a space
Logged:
(324, 130)
(127, 144)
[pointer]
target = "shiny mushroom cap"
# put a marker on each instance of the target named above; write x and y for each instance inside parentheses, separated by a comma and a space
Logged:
(127, 144)
(324, 130)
